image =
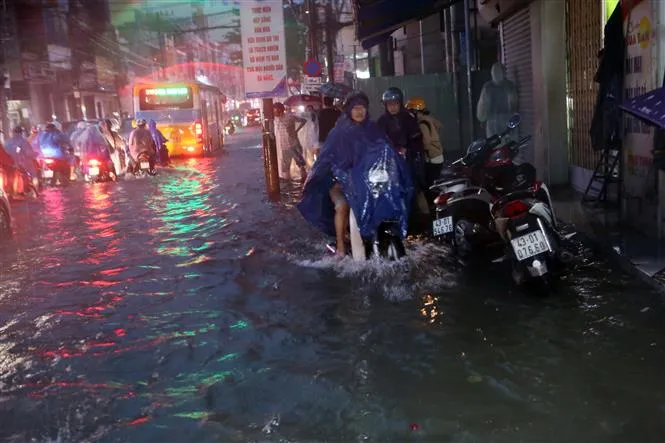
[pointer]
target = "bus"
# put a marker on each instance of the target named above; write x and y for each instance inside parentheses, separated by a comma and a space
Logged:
(188, 113)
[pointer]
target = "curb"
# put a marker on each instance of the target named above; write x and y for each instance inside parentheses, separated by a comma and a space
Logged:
(602, 243)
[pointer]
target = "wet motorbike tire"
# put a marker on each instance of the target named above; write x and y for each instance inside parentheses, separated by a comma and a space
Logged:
(461, 245)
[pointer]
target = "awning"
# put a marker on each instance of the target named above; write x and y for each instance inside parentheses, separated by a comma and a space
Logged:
(649, 107)
(377, 19)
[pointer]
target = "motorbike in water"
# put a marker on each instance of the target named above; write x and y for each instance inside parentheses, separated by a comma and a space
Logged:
(466, 190)
(55, 171)
(144, 165)
(230, 128)
(386, 243)
(97, 170)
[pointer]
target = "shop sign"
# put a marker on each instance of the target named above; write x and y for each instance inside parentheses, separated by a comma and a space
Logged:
(263, 48)
(105, 72)
(639, 78)
(38, 71)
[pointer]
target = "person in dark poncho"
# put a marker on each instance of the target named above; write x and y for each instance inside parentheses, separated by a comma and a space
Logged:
(403, 130)
(327, 118)
(343, 178)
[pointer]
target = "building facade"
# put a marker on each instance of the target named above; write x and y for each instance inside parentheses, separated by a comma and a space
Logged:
(61, 61)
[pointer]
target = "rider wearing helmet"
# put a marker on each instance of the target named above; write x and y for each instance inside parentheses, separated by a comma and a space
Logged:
(430, 128)
(54, 143)
(141, 141)
(404, 133)
(21, 150)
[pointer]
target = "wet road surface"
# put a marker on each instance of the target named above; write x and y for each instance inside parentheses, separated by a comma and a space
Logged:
(185, 308)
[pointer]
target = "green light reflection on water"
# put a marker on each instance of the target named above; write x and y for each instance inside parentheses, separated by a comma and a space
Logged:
(180, 202)
(193, 333)
(227, 357)
(240, 324)
(195, 415)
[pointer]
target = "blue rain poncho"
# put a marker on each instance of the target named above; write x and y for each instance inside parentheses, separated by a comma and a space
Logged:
(53, 144)
(375, 179)
(156, 134)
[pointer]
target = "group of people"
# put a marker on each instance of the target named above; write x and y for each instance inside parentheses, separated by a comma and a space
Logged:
(406, 139)
(21, 156)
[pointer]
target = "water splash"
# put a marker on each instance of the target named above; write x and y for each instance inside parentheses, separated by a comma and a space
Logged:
(424, 269)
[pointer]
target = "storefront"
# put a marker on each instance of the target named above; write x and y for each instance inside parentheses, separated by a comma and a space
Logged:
(640, 179)
(516, 48)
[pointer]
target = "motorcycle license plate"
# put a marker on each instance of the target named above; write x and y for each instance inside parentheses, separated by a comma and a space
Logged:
(145, 165)
(442, 226)
(93, 171)
(529, 245)
(48, 173)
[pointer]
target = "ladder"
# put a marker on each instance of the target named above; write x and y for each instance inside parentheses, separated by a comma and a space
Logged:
(605, 174)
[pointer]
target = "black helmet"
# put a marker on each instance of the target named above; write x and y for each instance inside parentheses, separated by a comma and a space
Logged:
(50, 126)
(355, 98)
(393, 93)
(19, 130)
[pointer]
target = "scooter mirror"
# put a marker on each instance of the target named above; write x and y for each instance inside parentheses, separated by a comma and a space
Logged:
(514, 121)
(475, 146)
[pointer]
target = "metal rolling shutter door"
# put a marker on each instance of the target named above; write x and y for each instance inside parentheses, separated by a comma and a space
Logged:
(516, 45)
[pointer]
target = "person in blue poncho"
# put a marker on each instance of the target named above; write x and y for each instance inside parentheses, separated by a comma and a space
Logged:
(357, 169)
(160, 143)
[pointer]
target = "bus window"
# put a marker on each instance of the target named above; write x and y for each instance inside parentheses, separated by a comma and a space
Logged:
(176, 97)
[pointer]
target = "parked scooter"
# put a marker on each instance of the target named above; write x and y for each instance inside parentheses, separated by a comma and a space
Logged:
(525, 221)
(466, 190)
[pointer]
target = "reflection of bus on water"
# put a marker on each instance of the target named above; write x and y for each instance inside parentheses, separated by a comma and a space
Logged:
(189, 114)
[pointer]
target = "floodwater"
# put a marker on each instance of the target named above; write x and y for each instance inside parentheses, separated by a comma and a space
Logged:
(186, 308)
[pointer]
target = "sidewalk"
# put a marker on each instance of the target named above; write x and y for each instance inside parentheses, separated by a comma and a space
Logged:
(637, 253)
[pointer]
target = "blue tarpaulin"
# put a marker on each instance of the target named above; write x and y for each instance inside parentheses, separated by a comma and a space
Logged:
(375, 180)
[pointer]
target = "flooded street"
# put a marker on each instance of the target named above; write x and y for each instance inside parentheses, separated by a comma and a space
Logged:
(185, 308)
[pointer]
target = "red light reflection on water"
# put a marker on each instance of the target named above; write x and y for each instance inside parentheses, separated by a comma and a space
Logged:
(54, 208)
(92, 349)
(139, 420)
(97, 199)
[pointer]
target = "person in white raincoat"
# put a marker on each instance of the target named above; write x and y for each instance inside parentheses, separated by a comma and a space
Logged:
(497, 102)
(309, 136)
(92, 144)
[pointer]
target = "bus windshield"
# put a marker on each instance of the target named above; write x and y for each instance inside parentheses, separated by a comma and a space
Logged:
(171, 97)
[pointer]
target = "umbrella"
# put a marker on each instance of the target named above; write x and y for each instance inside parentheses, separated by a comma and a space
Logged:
(302, 99)
(335, 90)
(649, 107)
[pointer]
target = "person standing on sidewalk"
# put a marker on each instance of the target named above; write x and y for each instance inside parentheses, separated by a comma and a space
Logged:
(327, 119)
(288, 146)
(309, 136)
(429, 127)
